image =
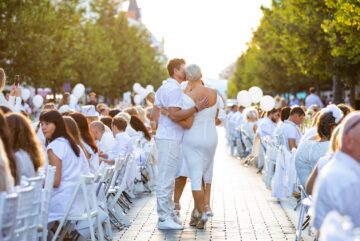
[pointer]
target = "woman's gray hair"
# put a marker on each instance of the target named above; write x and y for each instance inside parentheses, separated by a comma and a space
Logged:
(250, 113)
(193, 72)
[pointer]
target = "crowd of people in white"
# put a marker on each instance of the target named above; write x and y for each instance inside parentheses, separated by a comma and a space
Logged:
(70, 168)
(309, 153)
(81, 169)
(73, 174)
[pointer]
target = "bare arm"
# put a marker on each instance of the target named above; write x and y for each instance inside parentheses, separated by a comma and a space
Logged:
(311, 180)
(187, 123)
(55, 161)
(217, 120)
(176, 114)
(292, 144)
(155, 114)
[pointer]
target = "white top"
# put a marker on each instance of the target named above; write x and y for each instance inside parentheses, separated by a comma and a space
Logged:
(310, 134)
(169, 95)
(14, 103)
(24, 164)
(123, 146)
(106, 142)
(338, 188)
(313, 99)
(291, 131)
(267, 127)
(72, 167)
(93, 160)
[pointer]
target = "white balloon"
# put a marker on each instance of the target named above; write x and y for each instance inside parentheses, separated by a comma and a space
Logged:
(244, 98)
(79, 90)
(267, 103)
(256, 93)
(37, 101)
(149, 88)
(73, 101)
(25, 94)
(137, 99)
(137, 87)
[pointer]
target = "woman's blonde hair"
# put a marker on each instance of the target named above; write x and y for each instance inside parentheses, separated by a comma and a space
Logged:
(6, 180)
(335, 140)
(2, 79)
(24, 138)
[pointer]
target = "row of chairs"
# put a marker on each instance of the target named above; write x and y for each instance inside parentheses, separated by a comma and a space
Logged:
(24, 213)
(278, 168)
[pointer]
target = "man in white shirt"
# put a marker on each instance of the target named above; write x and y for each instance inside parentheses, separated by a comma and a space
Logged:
(104, 139)
(168, 139)
(313, 99)
(338, 185)
(290, 128)
(268, 124)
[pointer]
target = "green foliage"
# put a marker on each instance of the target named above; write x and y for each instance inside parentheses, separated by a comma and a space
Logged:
(302, 43)
(52, 44)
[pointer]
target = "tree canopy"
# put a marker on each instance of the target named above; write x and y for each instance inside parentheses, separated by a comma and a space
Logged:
(301, 43)
(50, 43)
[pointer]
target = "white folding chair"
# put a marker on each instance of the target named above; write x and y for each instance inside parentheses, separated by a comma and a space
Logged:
(8, 208)
(23, 214)
(42, 231)
(305, 204)
(115, 192)
(34, 219)
(103, 182)
(86, 187)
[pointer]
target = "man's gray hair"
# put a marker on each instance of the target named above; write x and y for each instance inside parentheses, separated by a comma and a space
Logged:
(98, 125)
(193, 72)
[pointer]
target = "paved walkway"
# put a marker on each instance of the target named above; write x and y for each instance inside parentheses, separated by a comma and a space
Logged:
(243, 209)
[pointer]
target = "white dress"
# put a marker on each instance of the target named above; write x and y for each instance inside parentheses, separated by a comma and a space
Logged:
(72, 167)
(199, 143)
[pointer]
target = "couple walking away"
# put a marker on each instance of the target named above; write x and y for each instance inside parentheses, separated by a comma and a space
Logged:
(186, 137)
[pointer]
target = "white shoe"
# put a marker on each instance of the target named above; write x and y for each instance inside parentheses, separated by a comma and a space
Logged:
(169, 223)
(176, 219)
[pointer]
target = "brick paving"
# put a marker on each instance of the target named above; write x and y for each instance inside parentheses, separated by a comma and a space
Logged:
(243, 209)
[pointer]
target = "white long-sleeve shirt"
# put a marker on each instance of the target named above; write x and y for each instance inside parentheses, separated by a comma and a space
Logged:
(123, 146)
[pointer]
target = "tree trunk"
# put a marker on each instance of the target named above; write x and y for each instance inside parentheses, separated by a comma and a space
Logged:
(352, 95)
(338, 90)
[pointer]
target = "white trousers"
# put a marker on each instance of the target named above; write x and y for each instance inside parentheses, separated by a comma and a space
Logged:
(168, 160)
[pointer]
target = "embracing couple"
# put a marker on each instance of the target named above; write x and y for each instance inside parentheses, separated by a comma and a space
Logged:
(186, 133)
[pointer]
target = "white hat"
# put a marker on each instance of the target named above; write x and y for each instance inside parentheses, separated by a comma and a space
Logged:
(64, 108)
(89, 111)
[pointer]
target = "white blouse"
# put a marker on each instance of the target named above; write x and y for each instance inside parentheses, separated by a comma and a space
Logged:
(72, 167)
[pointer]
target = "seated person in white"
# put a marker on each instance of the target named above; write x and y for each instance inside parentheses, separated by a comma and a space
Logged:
(337, 186)
(28, 152)
(104, 139)
(123, 145)
(268, 124)
(290, 128)
(65, 155)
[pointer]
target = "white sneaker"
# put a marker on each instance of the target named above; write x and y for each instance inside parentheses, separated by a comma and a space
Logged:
(176, 219)
(169, 223)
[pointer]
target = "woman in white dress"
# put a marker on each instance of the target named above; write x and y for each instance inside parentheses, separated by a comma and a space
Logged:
(199, 141)
(65, 155)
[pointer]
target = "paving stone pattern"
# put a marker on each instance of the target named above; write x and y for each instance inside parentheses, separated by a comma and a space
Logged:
(243, 209)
